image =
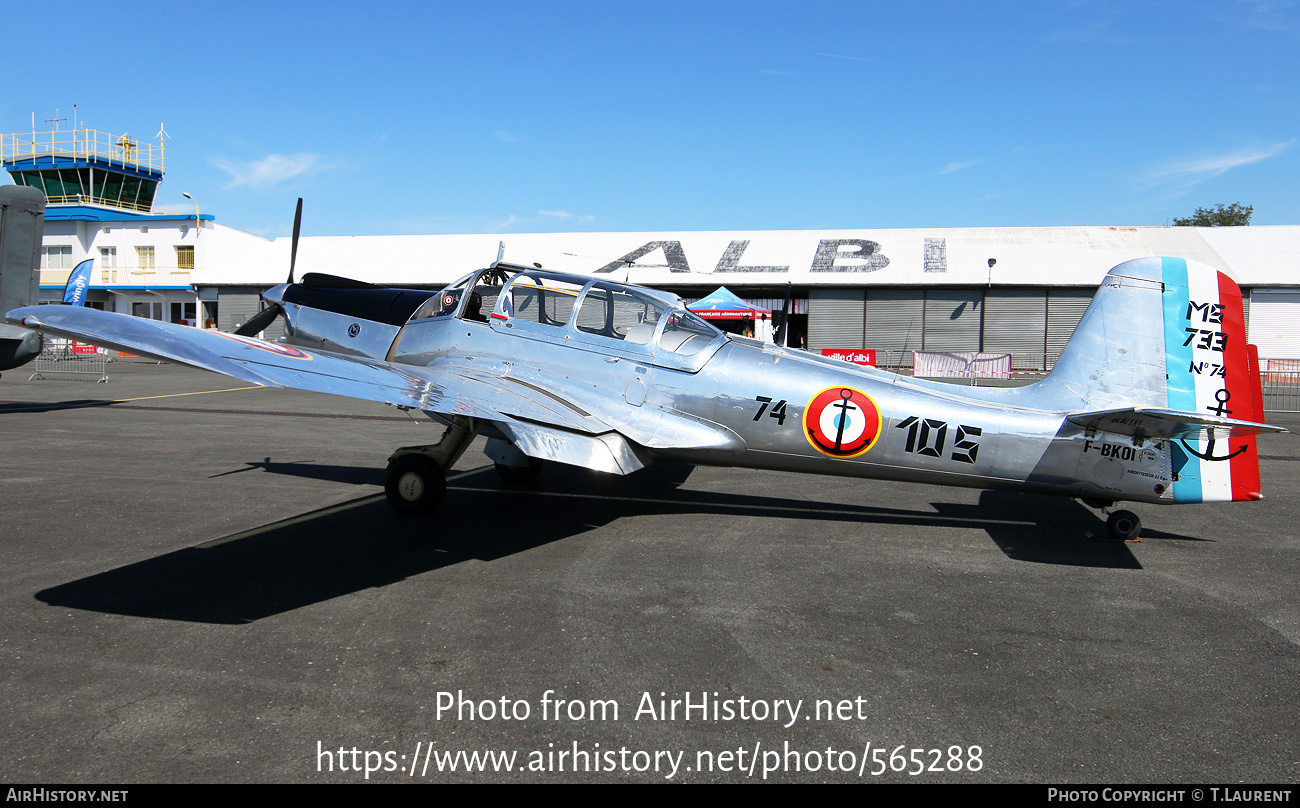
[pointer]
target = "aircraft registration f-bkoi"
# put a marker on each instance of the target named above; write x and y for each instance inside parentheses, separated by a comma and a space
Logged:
(1154, 399)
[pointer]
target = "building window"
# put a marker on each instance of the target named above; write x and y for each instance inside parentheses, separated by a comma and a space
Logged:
(150, 309)
(107, 257)
(182, 313)
(56, 257)
(185, 258)
(144, 257)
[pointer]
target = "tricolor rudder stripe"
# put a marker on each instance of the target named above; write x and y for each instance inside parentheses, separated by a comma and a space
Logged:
(1209, 374)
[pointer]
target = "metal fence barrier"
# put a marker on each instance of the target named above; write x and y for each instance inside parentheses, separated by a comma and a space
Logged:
(1280, 380)
(1025, 364)
(65, 356)
(961, 365)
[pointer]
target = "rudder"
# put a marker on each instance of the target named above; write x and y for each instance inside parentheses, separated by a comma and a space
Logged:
(1209, 369)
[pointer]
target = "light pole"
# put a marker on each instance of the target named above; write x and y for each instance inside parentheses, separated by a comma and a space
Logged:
(198, 223)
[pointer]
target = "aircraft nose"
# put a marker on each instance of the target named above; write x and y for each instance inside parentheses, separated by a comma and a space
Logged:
(275, 294)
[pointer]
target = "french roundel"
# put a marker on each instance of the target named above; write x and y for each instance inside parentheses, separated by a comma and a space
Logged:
(841, 422)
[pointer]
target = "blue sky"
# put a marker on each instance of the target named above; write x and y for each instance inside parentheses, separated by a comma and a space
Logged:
(506, 117)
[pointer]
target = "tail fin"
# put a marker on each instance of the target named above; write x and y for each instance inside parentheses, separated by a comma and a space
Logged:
(22, 214)
(1169, 334)
(1210, 371)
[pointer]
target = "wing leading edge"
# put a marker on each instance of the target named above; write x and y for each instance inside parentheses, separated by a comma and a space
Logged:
(541, 423)
(278, 365)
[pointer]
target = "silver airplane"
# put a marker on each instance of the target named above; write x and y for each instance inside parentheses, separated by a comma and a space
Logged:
(1154, 399)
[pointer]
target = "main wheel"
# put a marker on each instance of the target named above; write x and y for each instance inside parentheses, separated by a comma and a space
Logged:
(414, 485)
(1124, 525)
(518, 476)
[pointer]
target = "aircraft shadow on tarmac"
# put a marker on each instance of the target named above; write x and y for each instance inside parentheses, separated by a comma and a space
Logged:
(350, 475)
(362, 543)
(42, 407)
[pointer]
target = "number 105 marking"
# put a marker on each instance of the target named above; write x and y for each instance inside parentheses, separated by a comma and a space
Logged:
(926, 437)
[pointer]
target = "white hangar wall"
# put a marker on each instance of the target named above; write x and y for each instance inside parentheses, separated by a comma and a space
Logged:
(1018, 290)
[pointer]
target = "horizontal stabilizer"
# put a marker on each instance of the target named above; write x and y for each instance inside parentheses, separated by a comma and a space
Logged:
(1151, 422)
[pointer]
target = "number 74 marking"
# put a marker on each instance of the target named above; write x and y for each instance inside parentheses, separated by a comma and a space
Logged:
(778, 411)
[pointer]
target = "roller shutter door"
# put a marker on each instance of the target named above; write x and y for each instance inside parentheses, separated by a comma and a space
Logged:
(834, 318)
(1015, 322)
(236, 305)
(1275, 323)
(954, 319)
(894, 325)
(1065, 308)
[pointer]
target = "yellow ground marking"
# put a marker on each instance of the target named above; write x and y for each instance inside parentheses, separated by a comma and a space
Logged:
(195, 393)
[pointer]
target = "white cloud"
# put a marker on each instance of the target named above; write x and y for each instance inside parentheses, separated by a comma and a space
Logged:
(1271, 15)
(1189, 172)
(856, 58)
(500, 226)
(268, 171)
(505, 136)
(960, 165)
(840, 56)
(563, 215)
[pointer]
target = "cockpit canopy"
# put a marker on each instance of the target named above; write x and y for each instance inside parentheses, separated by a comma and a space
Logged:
(646, 325)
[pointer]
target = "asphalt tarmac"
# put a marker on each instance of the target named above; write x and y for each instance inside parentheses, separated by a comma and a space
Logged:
(200, 583)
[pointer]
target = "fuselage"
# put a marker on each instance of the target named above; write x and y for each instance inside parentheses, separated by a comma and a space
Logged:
(780, 408)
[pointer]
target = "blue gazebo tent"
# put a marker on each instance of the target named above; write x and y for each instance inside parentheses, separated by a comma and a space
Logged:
(723, 304)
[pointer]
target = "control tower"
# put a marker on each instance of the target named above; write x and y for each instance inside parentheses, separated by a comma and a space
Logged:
(85, 167)
(100, 190)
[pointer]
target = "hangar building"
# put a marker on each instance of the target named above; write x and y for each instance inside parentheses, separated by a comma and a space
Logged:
(1018, 290)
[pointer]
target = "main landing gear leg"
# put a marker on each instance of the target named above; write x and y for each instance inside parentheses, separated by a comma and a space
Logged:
(1121, 525)
(416, 479)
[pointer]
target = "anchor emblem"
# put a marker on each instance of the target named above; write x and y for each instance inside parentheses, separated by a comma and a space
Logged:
(1209, 450)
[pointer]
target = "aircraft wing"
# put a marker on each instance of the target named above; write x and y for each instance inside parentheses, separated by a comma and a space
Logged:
(1151, 422)
(542, 423)
(278, 365)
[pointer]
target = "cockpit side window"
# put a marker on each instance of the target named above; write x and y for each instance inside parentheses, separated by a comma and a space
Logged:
(483, 299)
(445, 303)
(544, 300)
(619, 314)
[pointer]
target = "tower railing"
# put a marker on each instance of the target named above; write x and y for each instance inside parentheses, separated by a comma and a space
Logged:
(83, 144)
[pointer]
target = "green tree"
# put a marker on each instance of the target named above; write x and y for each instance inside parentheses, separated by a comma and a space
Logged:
(1234, 215)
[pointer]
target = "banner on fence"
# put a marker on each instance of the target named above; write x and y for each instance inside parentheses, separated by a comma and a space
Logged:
(961, 365)
(858, 356)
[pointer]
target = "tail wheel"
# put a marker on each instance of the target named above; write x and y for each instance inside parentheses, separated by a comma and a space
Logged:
(1124, 525)
(414, 485)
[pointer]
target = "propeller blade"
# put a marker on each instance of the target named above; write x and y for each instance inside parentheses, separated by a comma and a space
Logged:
(293, 250)
(258, 322)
